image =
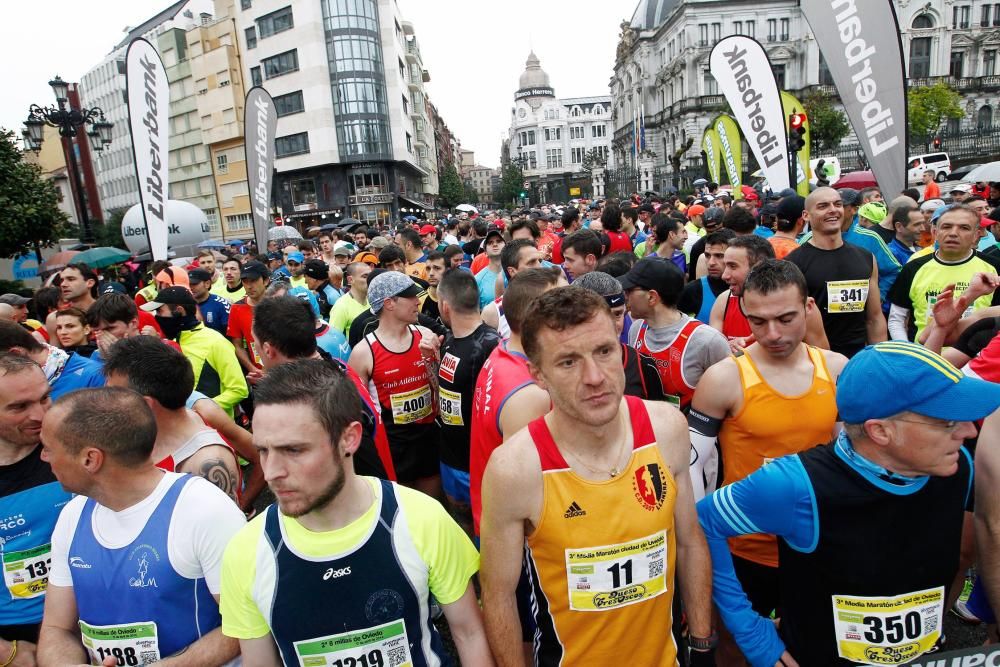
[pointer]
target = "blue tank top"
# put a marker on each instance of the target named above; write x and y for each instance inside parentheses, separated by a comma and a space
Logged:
(132, 604)
(707, 301)
(28, 514)
(384, 618)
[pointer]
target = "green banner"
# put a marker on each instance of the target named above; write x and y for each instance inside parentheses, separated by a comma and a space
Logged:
(790, 104)
(713, 152)
(732, 151)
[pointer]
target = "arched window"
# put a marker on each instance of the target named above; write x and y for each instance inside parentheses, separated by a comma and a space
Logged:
(598, 110)
(984, 120)
(923, 21)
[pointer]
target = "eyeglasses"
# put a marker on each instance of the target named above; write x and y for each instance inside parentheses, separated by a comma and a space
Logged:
(948, 426)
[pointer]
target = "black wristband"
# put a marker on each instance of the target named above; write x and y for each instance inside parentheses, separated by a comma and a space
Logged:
(704, 424)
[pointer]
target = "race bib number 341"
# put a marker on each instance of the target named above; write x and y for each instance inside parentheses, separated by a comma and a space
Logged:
(888, 631)
(608, 577)
(846, 296)
(382, 646)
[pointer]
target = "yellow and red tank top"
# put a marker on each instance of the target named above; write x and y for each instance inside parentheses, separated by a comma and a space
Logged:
(601, 558)
(770, 425)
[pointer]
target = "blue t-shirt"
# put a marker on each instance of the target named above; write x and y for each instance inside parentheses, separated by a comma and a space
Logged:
(487, 282)
(333, 342)
(215, 313)
(78, 373)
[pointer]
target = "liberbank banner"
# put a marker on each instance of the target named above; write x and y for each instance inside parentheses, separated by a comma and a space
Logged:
(859, 40)
(732, 151)
(260, 123)
(713, 152)
(741, 67)
(148, 95)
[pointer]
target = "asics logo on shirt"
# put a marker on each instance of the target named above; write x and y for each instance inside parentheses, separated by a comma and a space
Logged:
(333, 574)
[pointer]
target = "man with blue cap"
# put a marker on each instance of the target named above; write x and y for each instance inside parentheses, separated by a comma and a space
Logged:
(869, 526)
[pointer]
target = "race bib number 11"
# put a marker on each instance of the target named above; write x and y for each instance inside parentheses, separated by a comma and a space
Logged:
(888, 631)
(608, 577)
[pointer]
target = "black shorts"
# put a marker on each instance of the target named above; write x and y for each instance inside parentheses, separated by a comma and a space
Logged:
(416, 450)
(22, 633)
(760, 583)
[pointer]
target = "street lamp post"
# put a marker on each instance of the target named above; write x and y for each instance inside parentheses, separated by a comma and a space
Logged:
(69, 121)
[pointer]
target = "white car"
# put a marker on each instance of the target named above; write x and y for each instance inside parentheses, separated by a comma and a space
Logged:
(939, 163)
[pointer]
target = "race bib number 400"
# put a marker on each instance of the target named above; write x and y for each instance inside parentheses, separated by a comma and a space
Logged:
(602, 578)
(888, 631)
(411, 406)
(381, 646)
(846, 296)
(26, 573)
(131, 644)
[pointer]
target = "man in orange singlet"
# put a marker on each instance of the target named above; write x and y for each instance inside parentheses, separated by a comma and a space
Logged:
(597, 496)
(777, 398)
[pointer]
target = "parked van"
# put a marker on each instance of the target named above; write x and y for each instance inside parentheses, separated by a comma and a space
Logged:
(939, 163)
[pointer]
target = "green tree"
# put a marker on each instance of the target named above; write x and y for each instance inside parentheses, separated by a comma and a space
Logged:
(29, 205)
(827, 124)
(511, 183)
(109, 232)
(929, 106)
(451, 191)
(593, 159)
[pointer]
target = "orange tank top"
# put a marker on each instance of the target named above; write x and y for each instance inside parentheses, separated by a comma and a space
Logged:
(770, 425)
(601, 559)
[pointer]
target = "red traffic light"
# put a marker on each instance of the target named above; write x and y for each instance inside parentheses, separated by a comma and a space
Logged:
(796, 120)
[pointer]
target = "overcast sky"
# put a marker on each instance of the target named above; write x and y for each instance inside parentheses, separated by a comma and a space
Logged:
(474, 50)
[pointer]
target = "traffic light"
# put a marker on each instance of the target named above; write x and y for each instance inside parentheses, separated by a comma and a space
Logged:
(937, 143)
(796, 132)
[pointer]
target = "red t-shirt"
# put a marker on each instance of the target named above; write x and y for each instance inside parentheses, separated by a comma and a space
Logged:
(480, 262)
(147, 319)
(241, 326)
(620, 242)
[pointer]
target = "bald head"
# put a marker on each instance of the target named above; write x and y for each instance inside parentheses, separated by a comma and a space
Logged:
(821, 194)
(7, 312)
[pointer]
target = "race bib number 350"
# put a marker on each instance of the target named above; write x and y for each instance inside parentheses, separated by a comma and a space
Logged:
(602, 578)
(26, 573)
(381, 646)
(846, 296)
(888, 631)
(130, 644)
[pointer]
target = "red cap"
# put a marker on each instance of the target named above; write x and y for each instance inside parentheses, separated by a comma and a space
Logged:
(985, 222)
(695, 209)
(428, 229)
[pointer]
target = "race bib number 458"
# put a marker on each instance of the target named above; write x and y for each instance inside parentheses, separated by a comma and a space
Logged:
(888, 631)
(608, 577)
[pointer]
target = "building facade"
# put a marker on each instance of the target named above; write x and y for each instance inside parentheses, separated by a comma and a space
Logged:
(104, 86)
(217, 68)
(554, 140)
(353, 136)
(662, 73)
(480, 180)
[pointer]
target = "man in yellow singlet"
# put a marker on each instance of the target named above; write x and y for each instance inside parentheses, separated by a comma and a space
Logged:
(777, 398)
(597, 496)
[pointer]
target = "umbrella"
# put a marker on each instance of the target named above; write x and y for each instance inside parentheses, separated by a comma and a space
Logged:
(330, 226)
(410, 218)
(212, 243)
(98, 258)
(698, 182)
(282, 233)
(59, 260)
(468, 208)
(857, 180)
(986, 173)
(236, 242)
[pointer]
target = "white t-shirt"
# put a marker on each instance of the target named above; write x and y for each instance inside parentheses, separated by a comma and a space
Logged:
(203, 521)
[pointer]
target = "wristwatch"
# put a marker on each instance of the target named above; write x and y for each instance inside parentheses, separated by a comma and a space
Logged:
(703, 643)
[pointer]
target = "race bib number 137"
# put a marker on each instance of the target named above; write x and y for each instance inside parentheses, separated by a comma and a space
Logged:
(888, 631)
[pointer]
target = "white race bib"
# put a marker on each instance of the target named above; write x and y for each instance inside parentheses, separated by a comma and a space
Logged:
(26, 573)
(846, 296)
(382, 646)
(888, 631)
(411, 406)
(130, 644)
(450, 407)
(603, 578)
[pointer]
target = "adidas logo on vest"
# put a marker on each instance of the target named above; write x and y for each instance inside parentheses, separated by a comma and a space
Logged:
(574, 511)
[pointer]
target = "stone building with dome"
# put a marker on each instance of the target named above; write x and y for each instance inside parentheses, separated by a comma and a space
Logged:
(549, 137)
(662, 67)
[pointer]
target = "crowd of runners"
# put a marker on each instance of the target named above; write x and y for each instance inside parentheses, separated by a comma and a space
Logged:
(668, 431)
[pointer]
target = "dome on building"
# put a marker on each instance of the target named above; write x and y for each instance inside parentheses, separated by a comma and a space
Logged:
(651, 13)
(533, 76)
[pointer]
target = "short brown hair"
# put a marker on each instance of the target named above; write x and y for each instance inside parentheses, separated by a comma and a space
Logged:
(113, 419)
(523, 289)
(558, 310)
(74, 312)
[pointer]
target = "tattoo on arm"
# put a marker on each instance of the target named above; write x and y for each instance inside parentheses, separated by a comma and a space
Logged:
(216, 472)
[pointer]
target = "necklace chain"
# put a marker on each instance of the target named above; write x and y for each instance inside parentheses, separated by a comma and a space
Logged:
(611, 472)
